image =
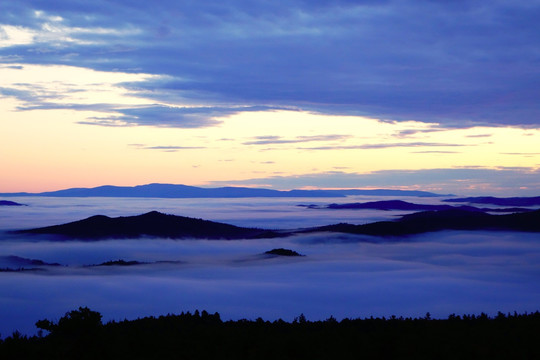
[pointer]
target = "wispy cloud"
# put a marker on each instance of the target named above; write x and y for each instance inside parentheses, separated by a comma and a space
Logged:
(162, 116)
(382, 146)
(479, 135)
(464, 180)
(167, 148)
(436, 152)
(271, 139)
(412, 132)
(80, 96)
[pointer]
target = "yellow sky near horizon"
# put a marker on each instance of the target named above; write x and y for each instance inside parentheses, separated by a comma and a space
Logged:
(49, 148)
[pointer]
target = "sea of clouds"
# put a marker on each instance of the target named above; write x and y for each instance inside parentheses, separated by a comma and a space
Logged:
(341, 275)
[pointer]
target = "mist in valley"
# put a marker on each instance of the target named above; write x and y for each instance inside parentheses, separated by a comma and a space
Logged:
(340, 275)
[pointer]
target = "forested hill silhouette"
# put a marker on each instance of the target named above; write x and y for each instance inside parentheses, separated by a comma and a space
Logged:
(404, 205)
(454, 219)
(155, 224)
(152, 224)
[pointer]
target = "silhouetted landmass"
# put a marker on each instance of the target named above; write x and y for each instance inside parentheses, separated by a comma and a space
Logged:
(120, 262)
(155, 224)
(152, 224)
(282, 252)
(511, 201)
(387, 192)
(127, 263)
(20, 269)
(80, 334)
(184, 191)
(22, 262)
(14, 263)
(10, 203)
(429, 221)
(404, 205)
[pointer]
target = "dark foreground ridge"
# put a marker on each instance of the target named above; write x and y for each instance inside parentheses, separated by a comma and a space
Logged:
(152, 224)
(80, 334)
(155, 224)
(185, 191)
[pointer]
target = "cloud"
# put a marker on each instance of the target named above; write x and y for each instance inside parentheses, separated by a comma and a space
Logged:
(162, 116)
(464, 64)
(461, 181)
(169, 116)
(436, 152)
(169, 148)
(380, 146)
(411, 132)
(79, 95)
(479, 135)
(271, 139)
(342, 275)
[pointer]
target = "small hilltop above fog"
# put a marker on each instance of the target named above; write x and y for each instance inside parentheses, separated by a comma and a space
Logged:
(10, 203)
(282, 252)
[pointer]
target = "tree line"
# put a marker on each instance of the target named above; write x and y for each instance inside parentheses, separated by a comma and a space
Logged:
(81, 334)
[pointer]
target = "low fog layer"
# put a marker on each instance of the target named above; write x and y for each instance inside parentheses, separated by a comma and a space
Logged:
(250, 212)
(341, 275)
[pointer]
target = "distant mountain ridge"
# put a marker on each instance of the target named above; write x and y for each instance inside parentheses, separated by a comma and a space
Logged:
(407, 206)
(511, 201)
(429, 221)
(185, 191)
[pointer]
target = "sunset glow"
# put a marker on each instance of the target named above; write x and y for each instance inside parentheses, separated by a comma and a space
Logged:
(85, 102)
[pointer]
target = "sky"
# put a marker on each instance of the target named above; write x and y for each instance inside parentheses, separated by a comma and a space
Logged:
(441, 96)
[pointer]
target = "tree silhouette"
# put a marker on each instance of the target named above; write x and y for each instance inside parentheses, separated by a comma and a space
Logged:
(81, 323)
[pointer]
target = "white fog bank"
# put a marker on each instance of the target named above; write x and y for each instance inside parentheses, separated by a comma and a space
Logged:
(341, 275)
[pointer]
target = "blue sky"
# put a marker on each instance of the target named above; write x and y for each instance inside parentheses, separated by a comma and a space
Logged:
(448, 89)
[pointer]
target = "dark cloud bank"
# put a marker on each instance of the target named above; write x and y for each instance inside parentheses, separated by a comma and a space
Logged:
(457, 63)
